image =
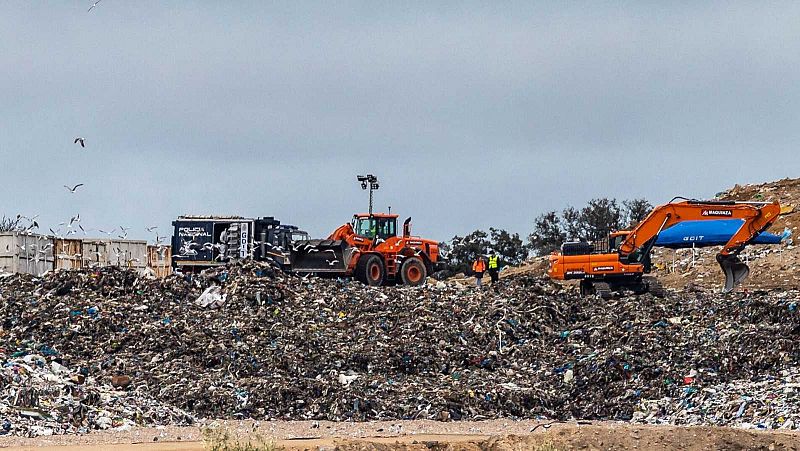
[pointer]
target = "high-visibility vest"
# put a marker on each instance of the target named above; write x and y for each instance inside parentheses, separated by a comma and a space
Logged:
(478, 266)
(493, 262)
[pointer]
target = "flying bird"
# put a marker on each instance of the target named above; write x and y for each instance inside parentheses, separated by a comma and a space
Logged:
(80, 140)
(93, 5)
(151, 228)
(74, 188)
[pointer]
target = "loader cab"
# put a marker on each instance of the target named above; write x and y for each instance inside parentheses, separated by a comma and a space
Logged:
(382, 226)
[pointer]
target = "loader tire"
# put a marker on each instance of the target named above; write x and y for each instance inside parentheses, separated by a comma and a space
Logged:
(370, 270)
(413, 272)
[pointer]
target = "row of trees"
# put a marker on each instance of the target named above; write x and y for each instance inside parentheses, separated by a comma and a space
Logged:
(590, 223)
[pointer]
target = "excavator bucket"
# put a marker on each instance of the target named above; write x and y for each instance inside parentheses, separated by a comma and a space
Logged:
(735, 271)
(320, 256)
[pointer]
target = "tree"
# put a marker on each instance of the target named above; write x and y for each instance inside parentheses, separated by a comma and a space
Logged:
(600, 216)
(509, 247)
(636, 210)
(571, 224)
(547, 234)
(10, 224)
(464, 250)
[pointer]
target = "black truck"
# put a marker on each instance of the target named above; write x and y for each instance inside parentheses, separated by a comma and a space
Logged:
(199, 242)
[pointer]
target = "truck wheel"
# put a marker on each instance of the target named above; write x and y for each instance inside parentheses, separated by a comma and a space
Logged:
(413, 272)
(369, 270)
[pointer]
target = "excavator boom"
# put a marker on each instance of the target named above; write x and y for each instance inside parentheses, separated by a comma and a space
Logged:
(756, 217)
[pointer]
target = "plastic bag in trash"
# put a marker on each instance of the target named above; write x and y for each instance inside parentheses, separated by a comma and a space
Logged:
(212, 297)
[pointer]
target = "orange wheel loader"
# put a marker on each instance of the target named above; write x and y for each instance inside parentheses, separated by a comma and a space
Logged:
(369, 249)
(626, 260)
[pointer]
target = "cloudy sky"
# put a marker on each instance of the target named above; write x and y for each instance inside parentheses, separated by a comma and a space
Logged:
(472, 114)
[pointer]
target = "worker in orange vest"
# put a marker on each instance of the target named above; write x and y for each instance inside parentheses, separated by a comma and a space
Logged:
(478, 267)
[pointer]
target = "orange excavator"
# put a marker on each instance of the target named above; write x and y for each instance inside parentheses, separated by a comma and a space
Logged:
(369, 249)
(623, 264)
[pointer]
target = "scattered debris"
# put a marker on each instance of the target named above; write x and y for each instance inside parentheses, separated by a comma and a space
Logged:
(117, 349)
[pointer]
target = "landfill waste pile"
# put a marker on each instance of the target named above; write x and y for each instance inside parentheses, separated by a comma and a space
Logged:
(108, 348)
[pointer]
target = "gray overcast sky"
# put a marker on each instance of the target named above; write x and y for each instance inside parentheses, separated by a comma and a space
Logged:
(472, 114)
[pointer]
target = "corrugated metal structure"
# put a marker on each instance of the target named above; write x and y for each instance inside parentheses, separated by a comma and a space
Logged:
(159, 259)
(25, 253)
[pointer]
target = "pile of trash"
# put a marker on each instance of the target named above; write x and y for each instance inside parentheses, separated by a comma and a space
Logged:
(103, 348)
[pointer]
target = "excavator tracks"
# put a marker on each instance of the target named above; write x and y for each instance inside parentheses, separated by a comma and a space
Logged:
(654, 287)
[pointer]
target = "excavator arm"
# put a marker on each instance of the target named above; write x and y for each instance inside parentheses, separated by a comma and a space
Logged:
(756, 216)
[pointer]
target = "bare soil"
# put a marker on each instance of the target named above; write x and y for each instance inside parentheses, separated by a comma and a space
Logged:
(423, 435)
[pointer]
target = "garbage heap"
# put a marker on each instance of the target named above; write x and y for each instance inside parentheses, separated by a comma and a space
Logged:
(107, 348)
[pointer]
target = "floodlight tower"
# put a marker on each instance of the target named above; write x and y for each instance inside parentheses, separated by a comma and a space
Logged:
(370, 182)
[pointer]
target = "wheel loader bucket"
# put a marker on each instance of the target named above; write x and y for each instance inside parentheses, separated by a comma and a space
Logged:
(735, 271)
(320, 256)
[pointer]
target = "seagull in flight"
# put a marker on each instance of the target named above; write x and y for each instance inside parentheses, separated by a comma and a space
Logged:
(93, 5)
(80, 140)
(151, 228)
(74, 188)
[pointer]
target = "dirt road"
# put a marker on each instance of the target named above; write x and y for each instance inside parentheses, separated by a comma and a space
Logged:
(423, 435)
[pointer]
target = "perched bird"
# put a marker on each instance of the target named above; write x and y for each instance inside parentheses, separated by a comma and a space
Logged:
(74, 188)
(93, 5)
(80, 140)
